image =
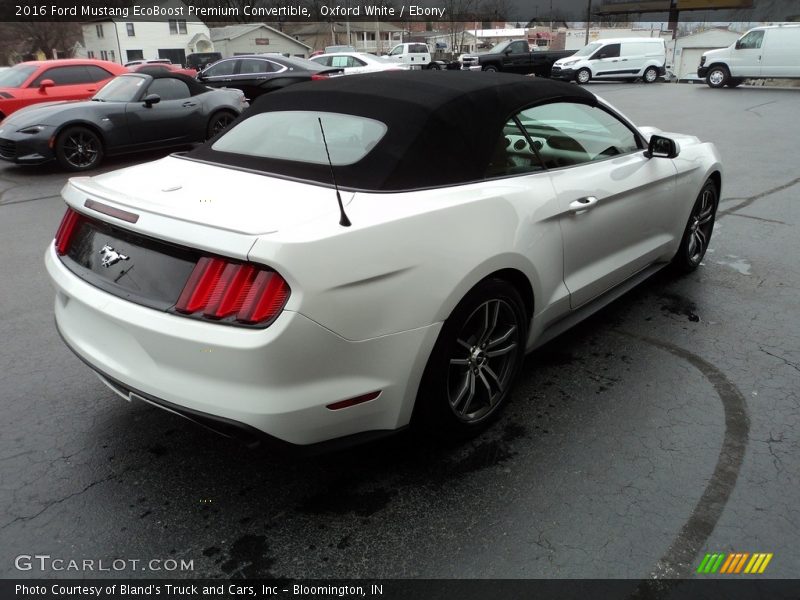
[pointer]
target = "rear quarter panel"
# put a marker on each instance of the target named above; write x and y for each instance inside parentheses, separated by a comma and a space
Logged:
(409, 258)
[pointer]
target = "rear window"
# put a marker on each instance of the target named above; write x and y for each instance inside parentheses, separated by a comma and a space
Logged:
(296, 136)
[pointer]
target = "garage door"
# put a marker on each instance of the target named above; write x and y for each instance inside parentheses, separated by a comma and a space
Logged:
(690, 60)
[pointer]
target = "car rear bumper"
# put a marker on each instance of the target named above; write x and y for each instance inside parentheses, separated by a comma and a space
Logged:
(277, 381)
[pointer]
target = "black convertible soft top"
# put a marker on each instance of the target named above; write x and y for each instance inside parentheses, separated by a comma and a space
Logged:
(442, 127)
(195, 87)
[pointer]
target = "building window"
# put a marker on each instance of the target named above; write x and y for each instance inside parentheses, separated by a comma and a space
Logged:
(90, 54)
(103, 55)
(99, 30)
(111, 56)
(177, 26)
(131, 30)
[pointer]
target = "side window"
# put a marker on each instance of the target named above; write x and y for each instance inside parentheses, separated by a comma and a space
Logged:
(356, 62)
(752, 40)
(221, 69)
(64, 76)
(340, 61)
(169, 89)
(325, 61)
(518, 47)
(97, 73)
(396, 50)
(572, 134)
(251, 66)
(512, 154)
(608, 51)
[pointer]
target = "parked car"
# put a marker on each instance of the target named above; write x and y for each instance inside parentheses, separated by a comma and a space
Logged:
(360, 252)
(151, 67)
(148, 61)
(353, 63)
(133, 112)
(514, 56)
(622, 58)
(257, 74)
(200, 60)
(763, 52)
(48, 80)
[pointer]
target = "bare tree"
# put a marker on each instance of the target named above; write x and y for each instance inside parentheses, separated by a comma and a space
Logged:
(23, 38)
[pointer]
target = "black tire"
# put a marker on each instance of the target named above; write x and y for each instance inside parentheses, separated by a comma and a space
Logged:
(583, 75)
(79, 149)
(734, 82)
(717, 76)
(218, 122)
(472, 368)
(699, 228)
(650, 75)
(490, 68)
(434, 66)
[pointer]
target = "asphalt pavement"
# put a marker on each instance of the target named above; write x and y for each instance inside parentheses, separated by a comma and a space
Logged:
(664, 427)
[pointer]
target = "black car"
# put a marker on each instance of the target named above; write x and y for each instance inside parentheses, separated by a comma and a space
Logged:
(258, 74)
(133, 112)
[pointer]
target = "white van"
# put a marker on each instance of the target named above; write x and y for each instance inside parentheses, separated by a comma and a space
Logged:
(772, 51)
(621, 58)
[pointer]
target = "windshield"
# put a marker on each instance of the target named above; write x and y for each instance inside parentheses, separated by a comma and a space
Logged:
(124, 88)
(499, 47)
(295, 135)
(587, 50)
(16, 76)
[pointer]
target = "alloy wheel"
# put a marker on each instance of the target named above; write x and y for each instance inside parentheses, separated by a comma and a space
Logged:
(700, 226)
(716, 77)
(485, 355)
(81, 149)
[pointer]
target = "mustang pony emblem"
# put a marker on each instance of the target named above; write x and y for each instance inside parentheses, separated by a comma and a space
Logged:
(110, 256)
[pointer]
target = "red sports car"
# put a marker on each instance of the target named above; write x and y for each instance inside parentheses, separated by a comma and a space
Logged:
(49, 80)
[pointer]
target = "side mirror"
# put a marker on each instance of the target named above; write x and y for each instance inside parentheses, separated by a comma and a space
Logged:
(507, 51)
(151, 99)
(662, 147)
(738, 44)
(46, 83)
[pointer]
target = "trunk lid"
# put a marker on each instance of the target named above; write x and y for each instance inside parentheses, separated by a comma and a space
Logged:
(209, 195)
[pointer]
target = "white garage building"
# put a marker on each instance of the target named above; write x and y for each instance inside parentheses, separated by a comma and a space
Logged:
(690, 48)
(255, 38)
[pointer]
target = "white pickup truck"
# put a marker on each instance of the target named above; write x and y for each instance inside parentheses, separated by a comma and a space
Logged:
(418, 56)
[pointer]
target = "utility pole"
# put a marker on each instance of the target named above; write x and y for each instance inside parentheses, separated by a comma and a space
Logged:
(588, 21)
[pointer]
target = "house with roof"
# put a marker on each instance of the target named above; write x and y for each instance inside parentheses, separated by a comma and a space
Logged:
(377, 37)
(255, 38)
(123, 40)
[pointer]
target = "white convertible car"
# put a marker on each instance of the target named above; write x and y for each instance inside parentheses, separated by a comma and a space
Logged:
(356, 254)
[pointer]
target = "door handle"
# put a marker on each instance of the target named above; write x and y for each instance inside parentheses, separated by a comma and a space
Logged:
(188, 104)
(582, 204)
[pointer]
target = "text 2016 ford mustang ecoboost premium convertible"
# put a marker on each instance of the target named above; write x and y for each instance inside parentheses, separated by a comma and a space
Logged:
(475, 218)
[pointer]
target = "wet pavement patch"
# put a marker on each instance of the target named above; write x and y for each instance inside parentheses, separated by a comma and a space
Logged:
(678, 305)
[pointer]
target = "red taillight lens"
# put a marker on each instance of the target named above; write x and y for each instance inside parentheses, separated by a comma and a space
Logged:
(243, 292)
(320, 76)
(67, 228)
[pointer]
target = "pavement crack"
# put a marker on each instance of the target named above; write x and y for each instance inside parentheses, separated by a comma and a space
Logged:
(779, 357)
(750, 199)
(49, 505)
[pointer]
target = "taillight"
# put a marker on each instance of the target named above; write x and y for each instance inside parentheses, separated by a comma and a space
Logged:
(318, 76)
(66, 230)
(241, 292)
